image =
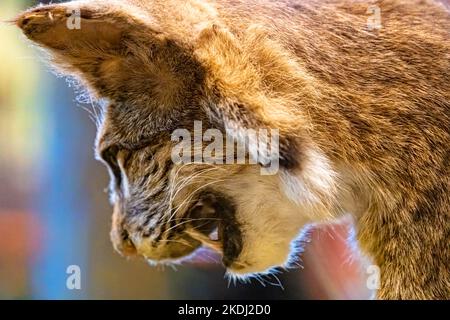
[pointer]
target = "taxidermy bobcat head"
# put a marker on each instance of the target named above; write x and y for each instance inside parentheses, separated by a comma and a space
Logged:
(358, 92)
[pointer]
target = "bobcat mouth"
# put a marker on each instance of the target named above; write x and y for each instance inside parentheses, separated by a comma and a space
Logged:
(215, 225)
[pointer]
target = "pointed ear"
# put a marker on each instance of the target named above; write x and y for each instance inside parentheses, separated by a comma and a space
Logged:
(239, 100)
(268, 141)
(101, 43)
(79, 28)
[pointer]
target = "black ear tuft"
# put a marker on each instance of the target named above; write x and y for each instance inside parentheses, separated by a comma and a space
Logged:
(290, 152)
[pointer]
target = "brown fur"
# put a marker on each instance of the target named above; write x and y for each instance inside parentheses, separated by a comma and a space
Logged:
(375, 102)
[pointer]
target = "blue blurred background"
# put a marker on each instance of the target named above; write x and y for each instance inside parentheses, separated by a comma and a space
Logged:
(54, 211)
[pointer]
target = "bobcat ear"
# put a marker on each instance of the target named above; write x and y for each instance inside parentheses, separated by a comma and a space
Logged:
(78, 28)
(268, 142)
(238, 102)
(95, 41)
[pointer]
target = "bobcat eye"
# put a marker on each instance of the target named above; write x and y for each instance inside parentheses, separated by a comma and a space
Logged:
(109, 155)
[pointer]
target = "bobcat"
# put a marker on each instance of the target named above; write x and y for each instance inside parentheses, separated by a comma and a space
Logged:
(358, 91)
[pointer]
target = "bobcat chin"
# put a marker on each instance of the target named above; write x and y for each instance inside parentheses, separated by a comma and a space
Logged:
(359, 92)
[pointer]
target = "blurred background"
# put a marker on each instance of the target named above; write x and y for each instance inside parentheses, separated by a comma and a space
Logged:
(54, 210)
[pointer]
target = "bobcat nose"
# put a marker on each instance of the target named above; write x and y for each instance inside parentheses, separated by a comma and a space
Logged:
(123, 243)
(120, 236)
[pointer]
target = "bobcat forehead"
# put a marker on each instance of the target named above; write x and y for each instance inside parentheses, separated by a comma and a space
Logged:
(360, 103)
